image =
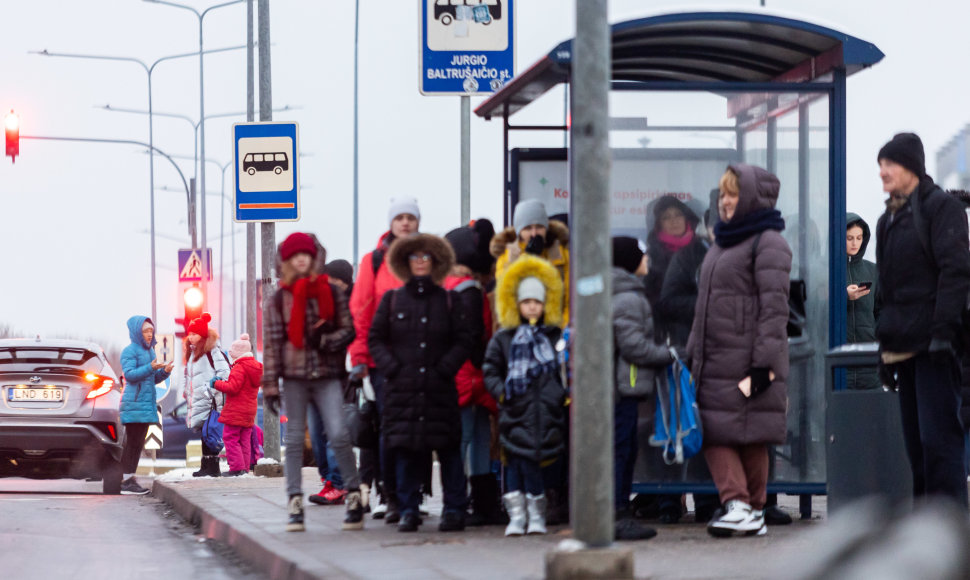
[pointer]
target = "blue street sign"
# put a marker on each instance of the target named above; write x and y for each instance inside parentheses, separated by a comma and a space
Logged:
(267, 172)
(466, 47)
(190, 265)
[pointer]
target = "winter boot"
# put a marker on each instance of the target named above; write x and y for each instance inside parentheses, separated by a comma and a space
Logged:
(627, 528)
(295, 510)
(452, 521)
(515, 506)
(354, 518)
(536, 506)
(392, 514)
(209, 467)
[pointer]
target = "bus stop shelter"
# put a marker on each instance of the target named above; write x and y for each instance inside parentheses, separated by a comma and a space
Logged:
(706, 89)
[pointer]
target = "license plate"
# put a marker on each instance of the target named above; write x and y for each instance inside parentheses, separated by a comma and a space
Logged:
(36, 394)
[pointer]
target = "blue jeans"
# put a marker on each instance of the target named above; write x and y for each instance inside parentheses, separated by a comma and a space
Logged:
(476, 439)
(323, 453)
(625, 447)
(411, 469)
(523, 474)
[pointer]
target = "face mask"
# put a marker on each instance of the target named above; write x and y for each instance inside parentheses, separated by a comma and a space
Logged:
(536, 245)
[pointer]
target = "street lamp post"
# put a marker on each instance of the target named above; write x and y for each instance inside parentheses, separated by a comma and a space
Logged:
(201, 53)
(149, 69)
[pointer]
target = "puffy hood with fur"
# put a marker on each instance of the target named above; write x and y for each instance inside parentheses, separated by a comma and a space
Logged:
(556, 232)
(506, 292)
(442, 256)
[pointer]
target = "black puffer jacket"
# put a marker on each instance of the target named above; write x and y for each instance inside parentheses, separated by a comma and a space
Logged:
(419, 341)
(533, 425)
(678, 297)
(922, 296)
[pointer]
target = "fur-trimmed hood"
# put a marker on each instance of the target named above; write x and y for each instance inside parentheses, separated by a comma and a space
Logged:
(555, 232)
(442, 256)
(506, 293)
(283, 270)
(208, 346)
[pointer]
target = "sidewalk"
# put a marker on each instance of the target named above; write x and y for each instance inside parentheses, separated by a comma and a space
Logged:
(249, 515)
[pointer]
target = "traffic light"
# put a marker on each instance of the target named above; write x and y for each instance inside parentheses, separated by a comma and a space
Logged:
(11, 129)
(193, 299)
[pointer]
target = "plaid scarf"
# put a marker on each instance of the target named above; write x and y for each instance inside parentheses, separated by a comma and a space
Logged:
(530, 356)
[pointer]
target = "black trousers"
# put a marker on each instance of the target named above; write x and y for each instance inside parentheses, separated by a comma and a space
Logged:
(134, 443)
(929, 399)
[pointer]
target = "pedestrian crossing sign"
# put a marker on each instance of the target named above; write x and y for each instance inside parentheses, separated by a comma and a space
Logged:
(190, 265)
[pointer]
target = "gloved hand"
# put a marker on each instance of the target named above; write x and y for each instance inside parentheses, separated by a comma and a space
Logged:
(316, 334)
(358, 372)
(272, 403)
(887, 375)
(536, 245)
(760, 380)
(212, 383)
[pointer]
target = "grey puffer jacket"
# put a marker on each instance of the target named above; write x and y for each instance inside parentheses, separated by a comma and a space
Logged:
(740, 324)
(633, 333)
(195, 380)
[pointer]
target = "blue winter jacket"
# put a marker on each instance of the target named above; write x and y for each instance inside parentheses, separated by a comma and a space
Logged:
(138, 398)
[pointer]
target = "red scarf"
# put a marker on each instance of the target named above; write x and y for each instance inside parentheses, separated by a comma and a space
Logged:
(310, 287)
(676, 243)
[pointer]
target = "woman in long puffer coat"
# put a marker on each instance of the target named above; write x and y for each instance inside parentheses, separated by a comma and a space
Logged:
(203, 360)
(739, 345)
(419, 340)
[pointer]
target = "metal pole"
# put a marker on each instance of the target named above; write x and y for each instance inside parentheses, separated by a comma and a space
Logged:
(151, 187)
(466, 161)
(591, 450)
(250, 227)
(267, 236)
(192, 221)
(222, 244)
(356, 191)
(206, 266)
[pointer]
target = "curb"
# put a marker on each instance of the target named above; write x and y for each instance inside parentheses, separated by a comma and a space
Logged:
(271, 556)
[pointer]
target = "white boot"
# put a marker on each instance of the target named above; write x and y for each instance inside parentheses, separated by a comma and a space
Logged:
(536, 506)
(515, 505)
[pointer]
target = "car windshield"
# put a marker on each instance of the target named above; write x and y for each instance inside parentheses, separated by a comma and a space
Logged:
(36, 359)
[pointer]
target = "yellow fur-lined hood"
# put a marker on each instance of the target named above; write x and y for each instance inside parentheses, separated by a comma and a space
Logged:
(528, 265)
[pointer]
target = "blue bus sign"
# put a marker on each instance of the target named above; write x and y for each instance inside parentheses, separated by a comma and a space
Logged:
(266, 157)
(467, 46)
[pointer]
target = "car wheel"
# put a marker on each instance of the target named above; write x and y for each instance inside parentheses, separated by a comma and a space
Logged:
(251, 171)
(278, 170)
(111, 477)
(446, 19)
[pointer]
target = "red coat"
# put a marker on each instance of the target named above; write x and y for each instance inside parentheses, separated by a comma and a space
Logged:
(241, 392)
(369, 288)
(469, 380)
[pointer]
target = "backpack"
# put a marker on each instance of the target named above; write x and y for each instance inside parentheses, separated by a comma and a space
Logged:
(797, 294)
(923, 233)
(376, 259)
(677, 420)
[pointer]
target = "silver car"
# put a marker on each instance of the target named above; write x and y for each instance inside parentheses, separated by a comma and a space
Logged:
(59, 412)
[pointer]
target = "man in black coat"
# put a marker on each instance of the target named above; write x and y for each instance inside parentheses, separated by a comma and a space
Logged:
(924, 278)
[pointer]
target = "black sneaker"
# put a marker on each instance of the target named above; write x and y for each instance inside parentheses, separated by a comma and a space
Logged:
(131, 487)
(295, 510)
(409, 522)
(629, 529)
(775, 516)
(392, 515)
(452, 521)
(354, 518)
(234, 473)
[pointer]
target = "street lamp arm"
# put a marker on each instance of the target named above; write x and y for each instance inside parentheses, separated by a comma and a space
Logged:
(223, 5)
(45, 52)
(196, 53)
(108, 107)
(176, 5)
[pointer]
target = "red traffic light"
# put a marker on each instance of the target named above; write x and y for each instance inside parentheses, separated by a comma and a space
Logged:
(193, 299)
(11, 129)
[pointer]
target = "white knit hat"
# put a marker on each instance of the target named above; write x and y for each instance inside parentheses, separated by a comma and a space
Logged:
(531, 287)
(402, 205)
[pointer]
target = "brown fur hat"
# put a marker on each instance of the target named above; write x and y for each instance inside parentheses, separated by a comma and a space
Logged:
(442, 256)
(556, 232)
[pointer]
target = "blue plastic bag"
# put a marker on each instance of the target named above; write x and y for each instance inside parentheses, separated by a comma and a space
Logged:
(677, 424)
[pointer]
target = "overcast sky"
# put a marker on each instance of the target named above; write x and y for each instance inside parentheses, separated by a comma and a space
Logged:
(75, 253)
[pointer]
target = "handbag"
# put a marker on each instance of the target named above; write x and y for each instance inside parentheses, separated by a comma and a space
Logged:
(362, 420)
(677, 424)
(212, 429)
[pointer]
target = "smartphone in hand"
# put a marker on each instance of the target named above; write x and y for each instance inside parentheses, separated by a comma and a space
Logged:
(864, 285)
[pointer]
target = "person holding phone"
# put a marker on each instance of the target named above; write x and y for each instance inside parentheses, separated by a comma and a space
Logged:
(861, 309)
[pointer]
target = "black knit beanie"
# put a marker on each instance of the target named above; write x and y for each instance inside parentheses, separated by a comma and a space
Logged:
(464, 241)
(341, 270)
(906, 149)
(627, 253)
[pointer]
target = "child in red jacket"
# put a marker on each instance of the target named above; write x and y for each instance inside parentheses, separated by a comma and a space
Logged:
(239, 412)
